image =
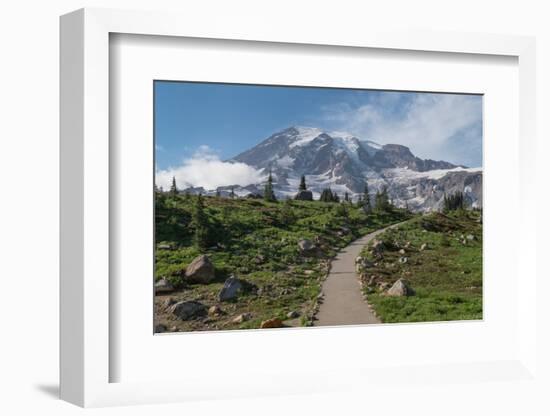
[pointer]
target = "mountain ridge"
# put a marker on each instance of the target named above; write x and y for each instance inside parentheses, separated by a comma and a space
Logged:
(343, 162)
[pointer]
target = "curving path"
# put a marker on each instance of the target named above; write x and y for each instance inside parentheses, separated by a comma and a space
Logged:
(343, 302)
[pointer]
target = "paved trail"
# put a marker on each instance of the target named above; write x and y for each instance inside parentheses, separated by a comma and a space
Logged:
(343, 302)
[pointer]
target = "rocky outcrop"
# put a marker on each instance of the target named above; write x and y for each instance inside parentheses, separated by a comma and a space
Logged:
(201, 270)
(230, 289)
(163, 286)
(400, 288)
(306, 247)
(186, 310)
(272, 323)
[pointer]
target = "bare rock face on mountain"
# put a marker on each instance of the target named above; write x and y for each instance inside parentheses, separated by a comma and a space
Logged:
(344, 162)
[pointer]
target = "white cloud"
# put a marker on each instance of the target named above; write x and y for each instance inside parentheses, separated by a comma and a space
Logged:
(206, 169)
(427, 123)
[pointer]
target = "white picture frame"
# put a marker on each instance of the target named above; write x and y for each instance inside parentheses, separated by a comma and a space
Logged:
(86, 354)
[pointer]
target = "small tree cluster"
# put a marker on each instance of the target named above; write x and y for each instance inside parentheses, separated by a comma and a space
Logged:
(453, 202)
(328, 196)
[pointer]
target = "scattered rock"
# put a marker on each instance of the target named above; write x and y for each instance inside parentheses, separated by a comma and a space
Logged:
(159, 328)
(306, 246)
(358, 259)
(165, 247)
(230, 289)
(424, 246)
(304, 196)
(402, 251)
(293, 314)
(163, 286)
(243, 317)
(259, 259)
(186, 310)
(378, 246)
(174, 329)
(272, 323)
(403, 259)
(383, 285)
(215, 310)
(309, 272)
(470, 237)
(201, 270)
(371, 280)
(168, 302)
(400, 288)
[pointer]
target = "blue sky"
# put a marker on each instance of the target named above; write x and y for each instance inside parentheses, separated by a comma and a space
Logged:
(229, 119)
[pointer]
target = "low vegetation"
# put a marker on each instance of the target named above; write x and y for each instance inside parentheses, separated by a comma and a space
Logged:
(257, 241)
(440, 256)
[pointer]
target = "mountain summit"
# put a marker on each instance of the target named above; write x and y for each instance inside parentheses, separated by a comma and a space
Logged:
(341, 158)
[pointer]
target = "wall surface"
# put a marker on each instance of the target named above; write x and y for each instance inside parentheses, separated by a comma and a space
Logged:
(29, 209)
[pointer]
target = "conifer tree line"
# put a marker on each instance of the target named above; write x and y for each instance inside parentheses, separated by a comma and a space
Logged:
(382, 201)
(453, 202)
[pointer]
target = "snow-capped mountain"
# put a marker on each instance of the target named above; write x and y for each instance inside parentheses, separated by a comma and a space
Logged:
(344, 162)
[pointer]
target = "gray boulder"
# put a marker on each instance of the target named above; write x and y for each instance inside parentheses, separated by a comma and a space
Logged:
(186, 310)
(243, 317)
(400, 288)
(306, 246)
(304, 196)
(230, 289)
(163, 286)
(293, 314)
(201, 270)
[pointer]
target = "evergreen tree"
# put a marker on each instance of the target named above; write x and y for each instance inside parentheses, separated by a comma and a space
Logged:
(173, 187)
(382, 200)
(199, 222)
(269, 195)
(302, 186)
(366, 196)
(346, 196)
(287, 216)
(232, 193)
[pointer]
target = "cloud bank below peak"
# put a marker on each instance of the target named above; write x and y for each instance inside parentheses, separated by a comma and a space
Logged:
(206, 169)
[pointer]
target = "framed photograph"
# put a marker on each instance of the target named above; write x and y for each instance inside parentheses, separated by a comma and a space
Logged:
(275, 212)
(309, 225)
